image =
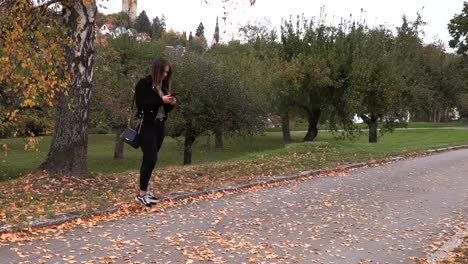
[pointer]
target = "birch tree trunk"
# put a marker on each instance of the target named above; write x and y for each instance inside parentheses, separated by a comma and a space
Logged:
(68, 150)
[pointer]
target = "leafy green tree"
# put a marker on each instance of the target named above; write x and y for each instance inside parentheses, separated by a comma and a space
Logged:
(210, 96)
(262, 38)
(410, 57)
(458, 29)
(262, 51)
(200, 32)
(376, 82)
(305, 50)
(118, 67)
(173, 38)
(445, 80)
(197, 44)
(243, 70)
(432, 76)
(100, 19)
(463, 106)
(340, 112)
(120, 19)
(143, 24)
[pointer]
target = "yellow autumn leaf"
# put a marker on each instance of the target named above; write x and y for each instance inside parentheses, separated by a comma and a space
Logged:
(13, 115)
(88, 2)
(29, 102)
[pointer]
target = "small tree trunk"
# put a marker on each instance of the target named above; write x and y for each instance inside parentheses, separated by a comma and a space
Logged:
(285, 127)
(119, 144)
(208, 140)
(372, 132)
(219, 138)
(312, 130)
(68, 150)
(188, 143)
(372, 124)
(445, 117)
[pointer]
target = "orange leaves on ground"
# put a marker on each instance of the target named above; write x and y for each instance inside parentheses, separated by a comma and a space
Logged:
(13, 115)
(13, 237)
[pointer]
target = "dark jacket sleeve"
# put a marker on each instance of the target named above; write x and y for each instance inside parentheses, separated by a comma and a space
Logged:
(145, 96)
(149, 101)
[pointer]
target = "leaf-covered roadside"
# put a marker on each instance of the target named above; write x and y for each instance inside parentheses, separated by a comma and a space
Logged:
(459, 255)
(38, 196)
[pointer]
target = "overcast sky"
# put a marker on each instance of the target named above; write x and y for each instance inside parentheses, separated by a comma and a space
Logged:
(185, 15)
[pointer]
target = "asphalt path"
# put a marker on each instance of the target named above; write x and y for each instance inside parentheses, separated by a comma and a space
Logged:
(395, 213)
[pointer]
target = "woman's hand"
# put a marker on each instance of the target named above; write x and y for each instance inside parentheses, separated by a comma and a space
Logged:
(167, 99)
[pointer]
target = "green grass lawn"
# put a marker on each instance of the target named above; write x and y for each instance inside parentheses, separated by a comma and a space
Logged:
(16, 161)
(301, 126)
(457, 123)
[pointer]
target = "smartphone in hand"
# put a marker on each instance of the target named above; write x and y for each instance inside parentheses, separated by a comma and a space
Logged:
(173, 94)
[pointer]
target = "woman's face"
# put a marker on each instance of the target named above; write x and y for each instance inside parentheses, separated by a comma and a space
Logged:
(165, 72)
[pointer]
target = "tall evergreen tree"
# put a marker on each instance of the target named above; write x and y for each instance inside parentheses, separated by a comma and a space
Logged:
(158, 27)
(163, 22)
(142, 24)
(200, 32)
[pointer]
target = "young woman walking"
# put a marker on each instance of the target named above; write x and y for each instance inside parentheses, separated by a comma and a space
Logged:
(153, 103)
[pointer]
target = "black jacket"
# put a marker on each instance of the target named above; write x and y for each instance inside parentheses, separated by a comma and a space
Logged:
(148, 100)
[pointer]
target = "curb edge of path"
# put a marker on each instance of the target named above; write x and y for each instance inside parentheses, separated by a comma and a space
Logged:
(228, 188)
(443, 251)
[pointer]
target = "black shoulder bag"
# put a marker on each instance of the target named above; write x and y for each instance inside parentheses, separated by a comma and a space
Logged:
(131, 135)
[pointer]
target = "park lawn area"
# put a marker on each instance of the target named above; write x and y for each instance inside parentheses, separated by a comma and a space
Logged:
(114, 183)
(302, 125)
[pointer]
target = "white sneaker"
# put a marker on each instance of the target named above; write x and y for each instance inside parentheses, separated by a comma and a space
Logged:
(151, 198)
(144, 200)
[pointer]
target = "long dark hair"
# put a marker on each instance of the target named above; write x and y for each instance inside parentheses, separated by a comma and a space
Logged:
(157, 72)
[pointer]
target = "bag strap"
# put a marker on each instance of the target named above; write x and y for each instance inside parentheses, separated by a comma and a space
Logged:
(140, 123)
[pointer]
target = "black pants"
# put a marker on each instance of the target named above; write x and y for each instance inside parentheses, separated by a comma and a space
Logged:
(152, 138)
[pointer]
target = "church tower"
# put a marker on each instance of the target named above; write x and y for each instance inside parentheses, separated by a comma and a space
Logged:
(130, 7)
(216, 33)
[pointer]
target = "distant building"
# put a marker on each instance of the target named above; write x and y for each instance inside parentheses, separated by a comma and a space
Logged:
(143, 37)
(120, 31)
(130, 7)
(107, 29)
(176, 50)
(216, 33)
